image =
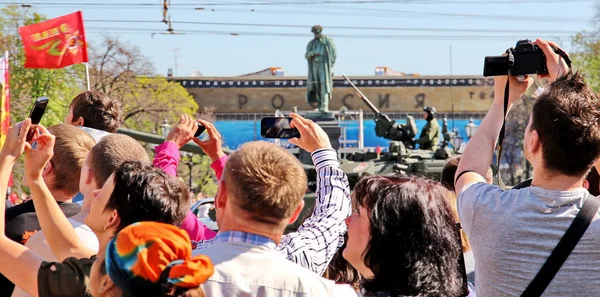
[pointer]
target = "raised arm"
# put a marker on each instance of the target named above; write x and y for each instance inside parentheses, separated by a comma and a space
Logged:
(477, 157)
(478, 152)
(213, 148)
(17, 263)
(167, 154)
(321, 235)
(60, 234)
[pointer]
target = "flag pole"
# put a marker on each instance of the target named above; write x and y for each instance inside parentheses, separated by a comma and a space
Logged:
(87, 75)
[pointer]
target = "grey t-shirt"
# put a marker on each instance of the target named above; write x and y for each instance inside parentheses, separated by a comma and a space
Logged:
(513, 232)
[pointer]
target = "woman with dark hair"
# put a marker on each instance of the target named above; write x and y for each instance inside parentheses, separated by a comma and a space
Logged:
(402, 238)
(149, 259)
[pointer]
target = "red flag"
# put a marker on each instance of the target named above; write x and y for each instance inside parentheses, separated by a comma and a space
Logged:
(55, 43)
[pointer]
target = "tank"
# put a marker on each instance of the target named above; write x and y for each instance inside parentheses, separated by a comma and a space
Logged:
(402, 156)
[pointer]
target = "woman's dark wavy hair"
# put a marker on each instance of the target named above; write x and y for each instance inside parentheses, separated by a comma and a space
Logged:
(414, 248)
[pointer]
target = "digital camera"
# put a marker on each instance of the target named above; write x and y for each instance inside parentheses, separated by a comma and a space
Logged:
(528, 59)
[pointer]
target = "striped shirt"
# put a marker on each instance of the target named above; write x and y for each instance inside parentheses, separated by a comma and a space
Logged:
(322, 234)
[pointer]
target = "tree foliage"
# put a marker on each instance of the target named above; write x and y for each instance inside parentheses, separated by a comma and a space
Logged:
(116, 68)
(124, 73)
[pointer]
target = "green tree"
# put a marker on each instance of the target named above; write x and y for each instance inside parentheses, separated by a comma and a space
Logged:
(586, 57)
(122, 72)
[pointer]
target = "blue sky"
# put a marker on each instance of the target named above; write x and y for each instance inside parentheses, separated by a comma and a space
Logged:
(473, 29)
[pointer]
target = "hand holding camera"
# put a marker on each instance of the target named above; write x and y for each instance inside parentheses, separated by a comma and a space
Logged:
(543, 58)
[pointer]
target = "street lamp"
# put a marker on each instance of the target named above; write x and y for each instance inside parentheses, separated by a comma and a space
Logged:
(456, 140)
(165, 128)
(470, 128)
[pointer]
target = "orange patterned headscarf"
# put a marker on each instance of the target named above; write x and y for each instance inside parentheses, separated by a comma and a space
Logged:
(149, 258)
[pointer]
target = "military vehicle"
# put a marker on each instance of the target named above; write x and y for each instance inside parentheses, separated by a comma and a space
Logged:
(401, 157)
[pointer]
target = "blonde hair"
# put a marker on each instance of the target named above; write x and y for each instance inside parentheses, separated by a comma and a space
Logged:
(70, 150)
(265, 181)
(466, 246)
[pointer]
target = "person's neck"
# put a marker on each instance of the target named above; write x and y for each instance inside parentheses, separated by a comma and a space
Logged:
(104, 238)
(553, 181)
(266, 230)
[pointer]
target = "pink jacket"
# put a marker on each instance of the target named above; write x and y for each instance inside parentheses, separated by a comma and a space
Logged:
(167, 158)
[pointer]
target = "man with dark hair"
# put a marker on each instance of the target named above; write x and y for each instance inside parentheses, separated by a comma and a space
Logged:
(93, 109)
(135, 192)
(513, 232)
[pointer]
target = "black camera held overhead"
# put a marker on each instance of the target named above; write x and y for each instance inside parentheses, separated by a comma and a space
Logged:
(525, 58)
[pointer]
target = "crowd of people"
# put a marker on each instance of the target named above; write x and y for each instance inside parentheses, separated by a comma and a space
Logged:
(393, 235)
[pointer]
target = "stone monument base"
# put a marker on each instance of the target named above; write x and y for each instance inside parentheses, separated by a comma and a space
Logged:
(332, 127)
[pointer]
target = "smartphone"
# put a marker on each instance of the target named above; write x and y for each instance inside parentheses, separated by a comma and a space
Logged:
(37, 111)
(277, 127)
(200, 130)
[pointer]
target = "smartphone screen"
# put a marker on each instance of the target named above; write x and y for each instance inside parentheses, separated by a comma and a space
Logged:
(200, 130)
(277, 127)
(37, 111)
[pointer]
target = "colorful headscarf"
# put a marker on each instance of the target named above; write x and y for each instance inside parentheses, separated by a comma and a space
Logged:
(149, 258)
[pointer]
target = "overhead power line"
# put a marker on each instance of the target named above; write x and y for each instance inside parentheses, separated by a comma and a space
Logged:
(150, 31)
(344, 27)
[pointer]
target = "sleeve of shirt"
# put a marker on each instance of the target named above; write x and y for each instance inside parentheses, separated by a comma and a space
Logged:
(66, 279)
(468, 202)
(322, 234)
(218, 166)
(167, 158)
(195, 229)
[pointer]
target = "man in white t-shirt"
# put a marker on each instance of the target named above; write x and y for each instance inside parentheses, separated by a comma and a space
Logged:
(513, 232)
(104, 157)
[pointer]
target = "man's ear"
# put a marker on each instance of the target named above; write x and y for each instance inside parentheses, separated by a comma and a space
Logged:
(106, 285)
(297, 212)
(79, 122)
(90, 176)
(534, 142)
(221, 197)
(48, 169)
(113, 221)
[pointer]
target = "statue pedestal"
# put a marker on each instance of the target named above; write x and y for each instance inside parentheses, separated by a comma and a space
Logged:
(332, 127)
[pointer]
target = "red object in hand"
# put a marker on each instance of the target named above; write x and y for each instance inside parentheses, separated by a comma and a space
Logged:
(378, 150)
(55, 43)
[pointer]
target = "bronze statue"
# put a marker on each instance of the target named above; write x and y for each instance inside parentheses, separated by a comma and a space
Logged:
(321, 55)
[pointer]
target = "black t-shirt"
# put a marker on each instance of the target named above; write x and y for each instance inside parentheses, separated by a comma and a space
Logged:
(66, 279)
(21, 223)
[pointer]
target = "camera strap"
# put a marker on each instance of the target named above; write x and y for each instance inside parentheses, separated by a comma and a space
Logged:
(511, 63)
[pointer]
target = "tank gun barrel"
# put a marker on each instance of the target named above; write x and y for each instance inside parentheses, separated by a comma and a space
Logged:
(384, 126)
(366, 100)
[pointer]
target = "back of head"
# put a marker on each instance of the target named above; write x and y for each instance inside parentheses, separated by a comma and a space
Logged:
(566, 117)
(414, 248)
(70, 150)
(98, 111)
(265, 181)
(449, 172)
(164, 252)
(110, 152)
(145, 193)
